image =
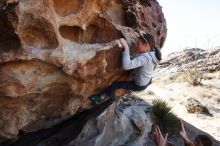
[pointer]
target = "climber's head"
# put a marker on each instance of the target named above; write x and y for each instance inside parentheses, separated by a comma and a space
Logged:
(145, 42)
(202, 140)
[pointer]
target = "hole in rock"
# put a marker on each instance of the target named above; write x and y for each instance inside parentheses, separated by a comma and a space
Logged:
(8, 39)
(66, 7)
(145, 3)
(99, 31)
(131, 19)
(160, 18)
(73, 33)
(40, 34)
(162, 40)
(158, 33)
(116, 12)
(154, 25)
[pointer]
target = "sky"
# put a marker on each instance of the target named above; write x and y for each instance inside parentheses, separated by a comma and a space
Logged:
(191, 23)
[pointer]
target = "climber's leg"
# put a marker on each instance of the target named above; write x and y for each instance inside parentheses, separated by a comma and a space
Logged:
(129, 85)
(110, 91)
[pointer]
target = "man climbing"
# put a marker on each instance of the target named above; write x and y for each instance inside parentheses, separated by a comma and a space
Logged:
(142, 67)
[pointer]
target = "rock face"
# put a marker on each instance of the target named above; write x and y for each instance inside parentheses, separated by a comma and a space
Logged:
(55, 53)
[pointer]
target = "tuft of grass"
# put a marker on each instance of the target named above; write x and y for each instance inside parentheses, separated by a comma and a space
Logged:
(164, 117)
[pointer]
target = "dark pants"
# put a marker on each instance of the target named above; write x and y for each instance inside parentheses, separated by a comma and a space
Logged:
(129, 85)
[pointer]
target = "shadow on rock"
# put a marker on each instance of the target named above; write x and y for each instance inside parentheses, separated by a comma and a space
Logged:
(59, 135)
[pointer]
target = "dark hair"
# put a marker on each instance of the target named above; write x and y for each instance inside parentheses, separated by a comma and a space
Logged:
(205, 140)
(149, 38)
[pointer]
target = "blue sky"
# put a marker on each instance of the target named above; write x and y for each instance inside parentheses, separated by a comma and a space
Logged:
(191, 23)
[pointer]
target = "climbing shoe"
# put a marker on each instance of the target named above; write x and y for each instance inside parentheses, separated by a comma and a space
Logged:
(98, 99)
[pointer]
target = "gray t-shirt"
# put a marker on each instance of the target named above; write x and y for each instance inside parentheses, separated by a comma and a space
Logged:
(142, 66)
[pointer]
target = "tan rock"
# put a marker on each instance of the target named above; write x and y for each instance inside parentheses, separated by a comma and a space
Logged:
(194, 106)
(55, 53)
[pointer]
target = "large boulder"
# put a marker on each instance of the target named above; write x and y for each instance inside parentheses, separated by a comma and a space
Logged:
(54, 54)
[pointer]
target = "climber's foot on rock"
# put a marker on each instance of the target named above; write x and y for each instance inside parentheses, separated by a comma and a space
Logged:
(99, 99)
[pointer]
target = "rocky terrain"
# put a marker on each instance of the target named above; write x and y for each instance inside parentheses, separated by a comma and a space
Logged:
(203, 60)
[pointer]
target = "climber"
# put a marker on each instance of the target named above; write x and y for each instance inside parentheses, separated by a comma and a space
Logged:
(142, 66)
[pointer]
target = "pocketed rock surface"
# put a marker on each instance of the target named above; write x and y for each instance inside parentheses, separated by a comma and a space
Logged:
(54, 54)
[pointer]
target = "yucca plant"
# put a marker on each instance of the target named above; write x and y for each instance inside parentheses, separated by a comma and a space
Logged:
(193, 76)
(193, 73)
(164, 117)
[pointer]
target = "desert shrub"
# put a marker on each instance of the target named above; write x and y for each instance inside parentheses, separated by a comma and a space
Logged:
(192, 70)
(177, 77)
(193, 76)
(164, 117)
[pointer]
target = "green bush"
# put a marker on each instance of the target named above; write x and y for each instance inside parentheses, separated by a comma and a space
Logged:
(164, 117)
